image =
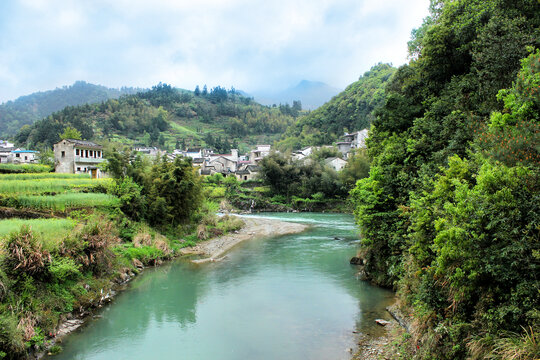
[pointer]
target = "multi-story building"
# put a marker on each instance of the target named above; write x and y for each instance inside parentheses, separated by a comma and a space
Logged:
(78, 156)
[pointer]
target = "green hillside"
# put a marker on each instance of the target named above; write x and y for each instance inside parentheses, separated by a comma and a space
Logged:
(168, 118)
(350, 110)
(26, 110)
(450, 212)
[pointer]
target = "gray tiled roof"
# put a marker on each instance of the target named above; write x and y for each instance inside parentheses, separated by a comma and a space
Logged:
(84, 143)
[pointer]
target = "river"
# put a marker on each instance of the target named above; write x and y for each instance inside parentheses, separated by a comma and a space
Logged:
(288, 297)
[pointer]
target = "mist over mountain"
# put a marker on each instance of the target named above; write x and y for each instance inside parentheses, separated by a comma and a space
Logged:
(312, 94)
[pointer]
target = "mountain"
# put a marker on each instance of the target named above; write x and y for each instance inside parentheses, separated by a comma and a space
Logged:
(168, 118)
(26, 110)
(312, 94)
(350, 110)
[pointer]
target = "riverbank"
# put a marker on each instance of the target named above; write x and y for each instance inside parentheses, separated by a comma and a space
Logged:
(214, 249)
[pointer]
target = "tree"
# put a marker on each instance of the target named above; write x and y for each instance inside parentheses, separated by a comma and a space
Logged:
(197, 91)
(70, 133)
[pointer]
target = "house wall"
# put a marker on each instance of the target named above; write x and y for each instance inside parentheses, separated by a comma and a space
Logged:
(73, 159)
(64, 157)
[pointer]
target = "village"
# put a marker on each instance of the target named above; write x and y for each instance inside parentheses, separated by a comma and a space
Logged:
(80, 156)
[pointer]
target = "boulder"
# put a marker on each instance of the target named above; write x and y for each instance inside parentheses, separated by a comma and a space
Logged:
(382, 322)
(356, 261)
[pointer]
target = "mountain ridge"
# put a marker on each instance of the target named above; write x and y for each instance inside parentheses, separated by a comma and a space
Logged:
(311, 94)
(27, 109)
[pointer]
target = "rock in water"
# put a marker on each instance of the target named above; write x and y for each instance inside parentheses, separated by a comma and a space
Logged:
(382, 322)
(356, 261)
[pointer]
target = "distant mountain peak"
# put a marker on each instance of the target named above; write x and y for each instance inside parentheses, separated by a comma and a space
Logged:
(311, 94)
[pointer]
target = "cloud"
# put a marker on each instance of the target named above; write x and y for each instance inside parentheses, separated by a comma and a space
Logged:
(249, 44)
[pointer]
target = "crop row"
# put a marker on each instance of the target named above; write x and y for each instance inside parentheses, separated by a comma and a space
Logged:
(62, 202)
(24, 168)
(46, 185)
(42, 176)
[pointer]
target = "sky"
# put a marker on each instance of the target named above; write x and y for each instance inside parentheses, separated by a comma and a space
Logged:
(253, 45)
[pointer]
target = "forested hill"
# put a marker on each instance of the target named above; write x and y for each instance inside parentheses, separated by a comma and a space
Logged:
(350, 110)
(28, 109)
(168, 118)
(450, 213)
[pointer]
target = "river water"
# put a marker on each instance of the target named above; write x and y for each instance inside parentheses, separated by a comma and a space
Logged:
(288, 297)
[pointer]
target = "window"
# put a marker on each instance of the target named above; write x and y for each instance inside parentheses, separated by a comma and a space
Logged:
(85, 153)
(63, 154)
(245, 177)
(18, 155)
(76, 151)
(78, 169)
(26, 158)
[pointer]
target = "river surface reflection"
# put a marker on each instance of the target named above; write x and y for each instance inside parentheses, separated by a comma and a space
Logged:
(288, 297)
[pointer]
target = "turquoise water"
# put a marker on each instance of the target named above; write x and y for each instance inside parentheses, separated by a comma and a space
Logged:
(289, 297)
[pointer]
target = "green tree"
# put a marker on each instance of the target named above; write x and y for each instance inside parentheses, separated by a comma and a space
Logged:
(70, 133)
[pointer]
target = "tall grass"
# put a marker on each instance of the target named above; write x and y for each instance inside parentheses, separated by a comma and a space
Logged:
(35, 176)
(24, 168)
(49, 231)
(66, 201)
(45, 185)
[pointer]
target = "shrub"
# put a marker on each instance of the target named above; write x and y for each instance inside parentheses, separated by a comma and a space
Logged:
(11, 337)
(146, 254)
(24, 253)
(129, 193)
(63, 269)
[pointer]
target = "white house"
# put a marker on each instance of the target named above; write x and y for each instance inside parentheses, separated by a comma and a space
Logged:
(22, 156)
(260, 152)
(5, 153)
(78, 156)
(335, 163)
(6, 144)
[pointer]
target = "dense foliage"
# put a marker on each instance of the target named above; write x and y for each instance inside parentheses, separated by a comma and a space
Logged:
(311, 177)
(449, 213)
(28, 109)
(165, 193)
(168, 118)
(350, 110)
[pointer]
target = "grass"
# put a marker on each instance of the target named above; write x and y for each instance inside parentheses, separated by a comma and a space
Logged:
(24, 168)
(182, 129)
(38, 186)
(36, 176)
(50, 231)
(70, 200)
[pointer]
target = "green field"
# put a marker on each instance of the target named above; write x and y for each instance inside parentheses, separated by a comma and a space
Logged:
(24, 168)
(49, 231)
(67, 201)
(35, 176)
(39, 186)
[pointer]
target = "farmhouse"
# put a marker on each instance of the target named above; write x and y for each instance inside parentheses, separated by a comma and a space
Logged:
(336, 163)
(78, 156)
(247, 172)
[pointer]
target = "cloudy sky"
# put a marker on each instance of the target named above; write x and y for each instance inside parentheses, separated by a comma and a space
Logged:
(253, 45)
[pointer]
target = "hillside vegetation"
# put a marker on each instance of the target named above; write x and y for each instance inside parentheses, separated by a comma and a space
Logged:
(450, 213)
(350, 110)
(28, 109)
(168, 118)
